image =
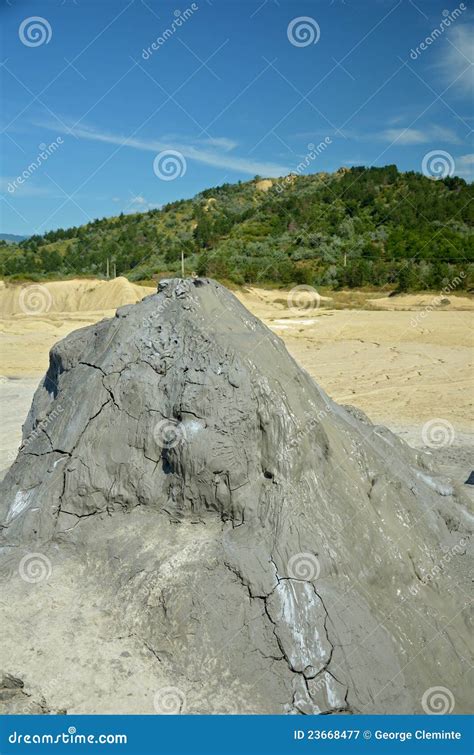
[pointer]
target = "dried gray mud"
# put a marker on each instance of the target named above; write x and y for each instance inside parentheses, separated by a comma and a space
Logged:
(190, 515)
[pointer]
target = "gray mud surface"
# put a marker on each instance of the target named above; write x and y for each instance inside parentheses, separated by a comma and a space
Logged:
(191, 525)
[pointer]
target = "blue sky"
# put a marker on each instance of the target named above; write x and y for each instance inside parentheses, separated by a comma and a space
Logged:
(233, 89)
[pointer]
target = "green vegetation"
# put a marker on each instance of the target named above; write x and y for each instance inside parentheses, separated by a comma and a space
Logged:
(358, 227)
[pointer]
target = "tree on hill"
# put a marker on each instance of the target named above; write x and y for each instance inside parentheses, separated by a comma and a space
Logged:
(359, 226)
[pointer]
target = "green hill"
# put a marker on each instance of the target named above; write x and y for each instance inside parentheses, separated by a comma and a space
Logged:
(363, 226)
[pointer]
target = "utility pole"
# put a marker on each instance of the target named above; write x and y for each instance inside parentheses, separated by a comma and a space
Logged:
(182, 263)
(345, 259)
(115, 270)
(108, 272)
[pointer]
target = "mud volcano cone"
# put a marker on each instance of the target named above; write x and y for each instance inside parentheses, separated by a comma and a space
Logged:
(206, 516)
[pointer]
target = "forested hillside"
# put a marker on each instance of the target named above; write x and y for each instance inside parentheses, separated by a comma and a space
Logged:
(357, 227)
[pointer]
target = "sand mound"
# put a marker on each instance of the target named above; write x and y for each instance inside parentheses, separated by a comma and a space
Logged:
(184, 488)
(414, 302)
(39, 299)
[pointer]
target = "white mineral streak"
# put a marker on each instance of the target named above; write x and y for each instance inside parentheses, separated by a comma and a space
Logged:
(20, 503)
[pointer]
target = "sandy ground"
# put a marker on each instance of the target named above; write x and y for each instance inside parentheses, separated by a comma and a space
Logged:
(406, 361)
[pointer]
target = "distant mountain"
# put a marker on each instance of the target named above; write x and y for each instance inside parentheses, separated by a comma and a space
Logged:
(356, 227)
(12, 238)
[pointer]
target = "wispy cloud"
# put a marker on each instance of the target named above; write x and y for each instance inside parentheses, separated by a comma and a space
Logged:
(214, 152)
(465, 167)
(216, 142)
(410, 136)
(403, 136)
(221, 142)
(457, 59)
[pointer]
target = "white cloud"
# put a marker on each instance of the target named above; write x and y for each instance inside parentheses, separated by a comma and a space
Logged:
(218, 142)
(465, 166)
(213, 152)
(457, 60)
(221, 142)
(403, 136)
(409, 136)
(140, 203)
